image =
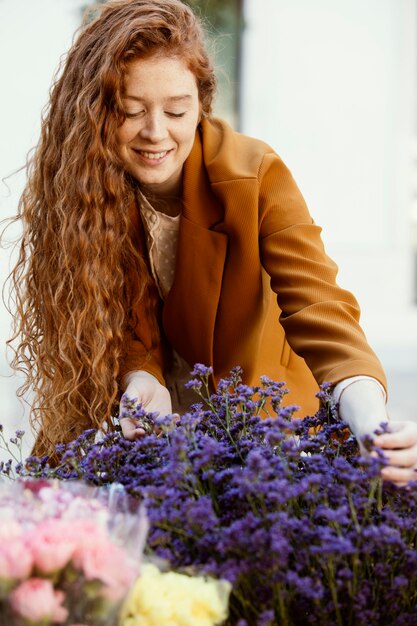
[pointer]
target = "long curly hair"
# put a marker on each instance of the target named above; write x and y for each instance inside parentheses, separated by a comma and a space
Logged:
(72, 286)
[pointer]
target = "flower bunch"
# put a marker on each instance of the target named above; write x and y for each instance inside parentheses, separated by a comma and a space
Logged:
(68, 553)
(285, 509)
(162, 598)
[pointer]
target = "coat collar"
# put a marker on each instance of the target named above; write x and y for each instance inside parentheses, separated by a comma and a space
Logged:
(190, 310)
(200, 206)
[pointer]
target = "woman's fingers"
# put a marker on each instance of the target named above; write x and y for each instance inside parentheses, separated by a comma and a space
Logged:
(400, 450)
(401, 435)
(401, 476)
(406, 457)
(145, 390)
(132, 428)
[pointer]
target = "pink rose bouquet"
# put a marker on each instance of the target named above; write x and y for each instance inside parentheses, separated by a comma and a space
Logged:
(69, 553)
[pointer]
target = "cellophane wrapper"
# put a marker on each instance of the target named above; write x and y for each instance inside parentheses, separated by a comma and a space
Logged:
(69, 552)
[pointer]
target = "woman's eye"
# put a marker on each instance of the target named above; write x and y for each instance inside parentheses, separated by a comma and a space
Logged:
(175, 114)
(133, 114)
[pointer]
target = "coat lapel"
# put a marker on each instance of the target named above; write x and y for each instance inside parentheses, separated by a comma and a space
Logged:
(190, 309)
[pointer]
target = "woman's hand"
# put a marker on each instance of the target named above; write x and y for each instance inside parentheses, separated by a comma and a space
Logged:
(362, 406)
(400, 448)
(153, 397)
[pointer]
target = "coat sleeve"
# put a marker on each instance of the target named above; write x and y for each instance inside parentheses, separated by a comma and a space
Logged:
(139, 358)
(143, 343)
(320, 319)
(143, 349)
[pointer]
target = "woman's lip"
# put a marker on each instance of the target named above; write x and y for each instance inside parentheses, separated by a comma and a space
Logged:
(152, 157)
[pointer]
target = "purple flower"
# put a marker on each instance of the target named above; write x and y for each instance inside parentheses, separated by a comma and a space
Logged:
(266, 618)
(194, 383)
(202, 371)
(287, 510)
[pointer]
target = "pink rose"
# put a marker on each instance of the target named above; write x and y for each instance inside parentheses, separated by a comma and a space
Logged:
(10, 529)
(16, 560)
(108, 563)
(89, 532)
(36, 599)
(52, 544)
(35, 484)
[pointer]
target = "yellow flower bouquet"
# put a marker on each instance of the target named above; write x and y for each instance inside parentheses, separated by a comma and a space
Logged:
(173, 599)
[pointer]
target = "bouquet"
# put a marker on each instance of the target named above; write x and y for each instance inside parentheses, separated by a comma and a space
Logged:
(286, 510)
(160, 598)
(69, 552)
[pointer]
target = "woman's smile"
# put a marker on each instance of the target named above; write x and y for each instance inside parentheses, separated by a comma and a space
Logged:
(152, 158)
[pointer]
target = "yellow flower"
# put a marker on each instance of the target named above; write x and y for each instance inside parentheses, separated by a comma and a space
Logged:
(171, 599)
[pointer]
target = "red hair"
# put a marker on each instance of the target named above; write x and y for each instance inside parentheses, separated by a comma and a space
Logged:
(72, 285)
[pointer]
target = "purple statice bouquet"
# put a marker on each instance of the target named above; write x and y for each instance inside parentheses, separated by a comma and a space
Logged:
(69, 552)
(285, 509)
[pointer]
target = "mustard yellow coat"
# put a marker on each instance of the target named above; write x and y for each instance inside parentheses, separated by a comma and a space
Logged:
(253, 285)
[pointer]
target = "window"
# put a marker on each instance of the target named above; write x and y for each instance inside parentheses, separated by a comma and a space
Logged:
(223, 23)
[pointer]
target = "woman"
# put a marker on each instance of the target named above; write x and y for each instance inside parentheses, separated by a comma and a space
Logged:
(156, 237)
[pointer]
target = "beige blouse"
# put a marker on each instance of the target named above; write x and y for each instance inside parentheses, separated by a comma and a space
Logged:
(161, 239)
(161, 232)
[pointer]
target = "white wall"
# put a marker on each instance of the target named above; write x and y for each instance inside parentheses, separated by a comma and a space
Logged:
(330, 84)
(33, 36)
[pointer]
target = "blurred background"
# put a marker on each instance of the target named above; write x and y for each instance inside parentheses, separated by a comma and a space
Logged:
(330, 84)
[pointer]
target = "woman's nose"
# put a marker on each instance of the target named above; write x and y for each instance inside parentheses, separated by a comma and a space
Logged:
(154, 128)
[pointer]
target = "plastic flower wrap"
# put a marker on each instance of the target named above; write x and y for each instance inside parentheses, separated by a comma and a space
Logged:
(173, 599)
(69, 553)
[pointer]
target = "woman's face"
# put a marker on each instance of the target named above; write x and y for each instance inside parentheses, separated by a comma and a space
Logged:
(162, 112)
